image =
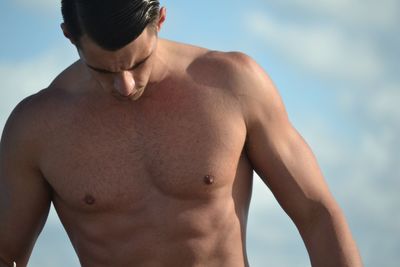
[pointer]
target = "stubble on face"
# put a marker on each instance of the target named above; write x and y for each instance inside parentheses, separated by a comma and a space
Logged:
(95, 58)
(135, 96)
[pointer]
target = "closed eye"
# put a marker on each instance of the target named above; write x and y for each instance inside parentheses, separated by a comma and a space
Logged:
(103, 71)
(137, 65)
(100, 70)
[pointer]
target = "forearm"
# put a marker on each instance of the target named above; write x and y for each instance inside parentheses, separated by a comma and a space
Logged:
(329, 241)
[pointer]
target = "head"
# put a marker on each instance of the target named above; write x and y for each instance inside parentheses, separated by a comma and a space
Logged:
(116, 40)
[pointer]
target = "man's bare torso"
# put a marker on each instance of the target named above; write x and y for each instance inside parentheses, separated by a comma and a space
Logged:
(162, 181)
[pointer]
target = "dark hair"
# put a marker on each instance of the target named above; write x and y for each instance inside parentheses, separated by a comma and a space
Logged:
(111, 24)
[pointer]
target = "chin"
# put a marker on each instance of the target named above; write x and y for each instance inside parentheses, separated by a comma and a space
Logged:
(133, 97)
(138, 94)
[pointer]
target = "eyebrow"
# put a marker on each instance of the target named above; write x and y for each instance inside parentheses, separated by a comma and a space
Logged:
(112, 72)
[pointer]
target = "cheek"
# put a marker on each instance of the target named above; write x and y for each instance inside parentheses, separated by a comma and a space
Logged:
(104, 80)
(142, 75)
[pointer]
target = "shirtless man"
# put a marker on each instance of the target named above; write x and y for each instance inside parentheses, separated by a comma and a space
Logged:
(146, 148)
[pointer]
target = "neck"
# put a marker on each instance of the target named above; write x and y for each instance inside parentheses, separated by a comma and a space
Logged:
(161, 69)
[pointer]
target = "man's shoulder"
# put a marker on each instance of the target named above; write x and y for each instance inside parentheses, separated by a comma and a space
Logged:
(227, 62)
(230, 59)
(69, 78)
(29, 118)
(200, 59)
(235, 66)
(240, 76)
(231, 71)
(22, 131)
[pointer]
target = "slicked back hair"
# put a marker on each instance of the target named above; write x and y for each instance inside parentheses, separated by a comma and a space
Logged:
(111, 24)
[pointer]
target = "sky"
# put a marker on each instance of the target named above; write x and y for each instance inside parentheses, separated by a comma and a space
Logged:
(336, 64)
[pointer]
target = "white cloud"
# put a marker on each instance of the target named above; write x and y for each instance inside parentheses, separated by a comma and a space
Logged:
(371, 14)
(383, 103)
(322, 49)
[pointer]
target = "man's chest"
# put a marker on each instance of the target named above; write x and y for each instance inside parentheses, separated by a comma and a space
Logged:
(187, 150)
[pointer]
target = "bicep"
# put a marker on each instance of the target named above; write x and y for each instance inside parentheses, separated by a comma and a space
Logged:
(278, 153)
(24, 195)
(286, 164)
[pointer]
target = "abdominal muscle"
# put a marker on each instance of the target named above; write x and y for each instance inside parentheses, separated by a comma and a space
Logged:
(164, 232)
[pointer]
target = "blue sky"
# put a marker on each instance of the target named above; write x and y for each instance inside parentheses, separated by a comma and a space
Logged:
(336, 64)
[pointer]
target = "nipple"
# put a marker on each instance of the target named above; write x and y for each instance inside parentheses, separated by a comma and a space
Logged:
(89, 200)
(209, 179)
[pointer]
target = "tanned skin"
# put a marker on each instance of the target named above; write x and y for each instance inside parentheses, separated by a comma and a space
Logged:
(149, 163)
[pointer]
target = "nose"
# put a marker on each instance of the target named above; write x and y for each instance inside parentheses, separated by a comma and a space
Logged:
(124, 83)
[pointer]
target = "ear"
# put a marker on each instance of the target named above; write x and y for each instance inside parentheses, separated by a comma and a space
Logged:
(161, 18)
(66, 33)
